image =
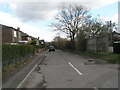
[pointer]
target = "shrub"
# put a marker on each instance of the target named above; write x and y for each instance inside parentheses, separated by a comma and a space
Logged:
(10, 53)
(39, 46)
(33, 42)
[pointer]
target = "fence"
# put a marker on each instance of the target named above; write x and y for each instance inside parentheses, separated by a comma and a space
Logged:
(100, 43)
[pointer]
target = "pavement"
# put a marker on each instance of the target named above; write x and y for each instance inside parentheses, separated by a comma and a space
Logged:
(15, 80)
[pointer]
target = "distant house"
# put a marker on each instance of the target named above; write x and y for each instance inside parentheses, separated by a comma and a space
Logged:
(116, 36)
(41, 42)
(25, 37)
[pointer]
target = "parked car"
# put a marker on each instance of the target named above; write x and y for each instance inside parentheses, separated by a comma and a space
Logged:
(51, 48)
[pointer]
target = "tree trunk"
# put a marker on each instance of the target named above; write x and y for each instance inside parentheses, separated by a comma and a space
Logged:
(73, 41)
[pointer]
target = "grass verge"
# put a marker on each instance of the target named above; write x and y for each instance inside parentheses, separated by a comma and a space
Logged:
(109, 57)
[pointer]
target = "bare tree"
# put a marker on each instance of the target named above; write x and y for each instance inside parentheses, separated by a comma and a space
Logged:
(94, 27)
(70, 19)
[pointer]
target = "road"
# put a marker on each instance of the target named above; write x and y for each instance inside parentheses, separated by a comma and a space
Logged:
(66, 70)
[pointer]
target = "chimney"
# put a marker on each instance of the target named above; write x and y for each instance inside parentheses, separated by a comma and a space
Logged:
(38, 38)
(18, 29)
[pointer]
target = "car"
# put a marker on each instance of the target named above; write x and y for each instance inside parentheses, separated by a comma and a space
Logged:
(51, 48)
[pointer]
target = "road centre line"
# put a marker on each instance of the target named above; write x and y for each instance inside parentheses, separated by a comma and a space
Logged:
(75, 69)
(26, 77)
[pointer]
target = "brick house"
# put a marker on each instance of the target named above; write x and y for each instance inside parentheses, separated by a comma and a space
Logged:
(7, 34)
(12, 35)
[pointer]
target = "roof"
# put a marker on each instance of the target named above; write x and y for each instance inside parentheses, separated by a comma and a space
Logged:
(5, 27)
(42, 40)
(116, 33)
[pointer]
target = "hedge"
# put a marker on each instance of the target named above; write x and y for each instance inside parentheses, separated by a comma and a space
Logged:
(39, 46)
(16, 52)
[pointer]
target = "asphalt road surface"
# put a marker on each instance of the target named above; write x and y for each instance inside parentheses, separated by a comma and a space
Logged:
(66, 70)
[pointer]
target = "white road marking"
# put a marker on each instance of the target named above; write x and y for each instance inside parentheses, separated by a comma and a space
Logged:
(75, 69)
(95, 88)
(26, 77)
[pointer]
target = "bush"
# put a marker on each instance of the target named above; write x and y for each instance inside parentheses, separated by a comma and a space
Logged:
(33, 42)
(13, 52)
(39, 46)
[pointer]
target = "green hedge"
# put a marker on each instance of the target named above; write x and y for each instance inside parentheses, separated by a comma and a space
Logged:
(12, 52)
(39, 46)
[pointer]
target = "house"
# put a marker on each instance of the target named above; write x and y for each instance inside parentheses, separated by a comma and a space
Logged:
(41, 42)
(25, 37)
(116, 36)
(9, 34)
(12, 35)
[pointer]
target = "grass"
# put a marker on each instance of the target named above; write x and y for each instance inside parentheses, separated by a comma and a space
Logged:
(11, 68)
(8, 69)
(109, 57)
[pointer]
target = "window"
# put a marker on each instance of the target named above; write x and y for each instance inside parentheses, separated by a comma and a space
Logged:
(15, 34)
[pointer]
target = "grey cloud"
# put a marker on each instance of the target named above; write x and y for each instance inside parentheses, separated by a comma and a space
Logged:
(31, 11)
(34, 11)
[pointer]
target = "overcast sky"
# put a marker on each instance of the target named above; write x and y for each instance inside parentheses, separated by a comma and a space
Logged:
(34, 16)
